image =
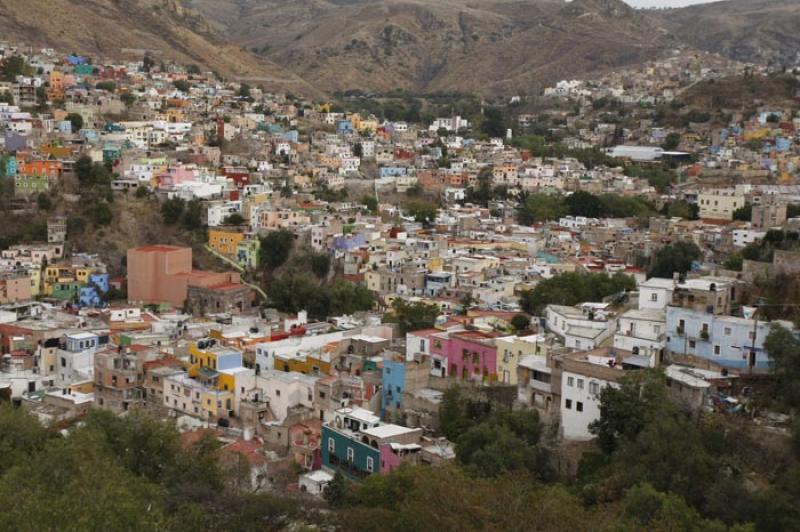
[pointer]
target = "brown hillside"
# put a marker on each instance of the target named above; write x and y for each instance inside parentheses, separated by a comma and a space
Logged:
(112, 28)
(489, 46)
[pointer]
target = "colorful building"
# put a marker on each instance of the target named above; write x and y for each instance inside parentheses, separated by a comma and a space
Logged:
(357, 444)
(225, 241)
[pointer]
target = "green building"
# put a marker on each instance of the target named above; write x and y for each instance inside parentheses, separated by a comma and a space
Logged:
(30, 185)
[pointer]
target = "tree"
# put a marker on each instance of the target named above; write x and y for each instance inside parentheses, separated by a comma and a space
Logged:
(412, 316)
(142, 192)
(625, 410)
(172, 210)
(20, 436)
(582, 203)
(43, 202)
(320, 264)
(192, 216)
(671, 142)
(572, 288)
(520, 322)
(275, 248)
(423, 212)
(100, 213)
(744, 213)
(540, 208)
(233, 219)
(504, 442)
(108, 86)
(128, 99)
(76, 120)
(371, 203)
(182, 85)
(336, 492)
(784, 350)
(494, 123)
(734, 262)
(244, 90)
(12, 67)
(674, 258)
(148, 63)
(682, 209)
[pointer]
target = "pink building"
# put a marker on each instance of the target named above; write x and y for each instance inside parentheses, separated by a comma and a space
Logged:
(472, 355)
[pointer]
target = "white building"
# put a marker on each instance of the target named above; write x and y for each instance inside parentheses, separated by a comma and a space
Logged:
(643, 332)
(656, 293)
(584, 376)
(583, 327)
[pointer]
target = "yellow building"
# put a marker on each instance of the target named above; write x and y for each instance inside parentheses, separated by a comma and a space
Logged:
(225, 241)
(512, 349)
(303, 363)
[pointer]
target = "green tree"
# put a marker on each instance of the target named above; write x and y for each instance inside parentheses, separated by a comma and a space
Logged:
(21, 436)
(100, 213)
(734, 262)
(572, 288)
(784, 350)
(172, 210)
(244, 90)
(320, 264)
(234, 219)
(520, 322)
(347, 298)
(76, 120)
(537, 208)
(626, 410)
(494, 122)
(412, 316)
(371, 203)
(182, 85)
(43, 202)
(424, 212)
(12, 67)
(671, 142)
(108, 86)
(337, 491)
(582, 203)
(192, 219)
(674, 258)
(128, 99)
(275, 248)
(744, 213)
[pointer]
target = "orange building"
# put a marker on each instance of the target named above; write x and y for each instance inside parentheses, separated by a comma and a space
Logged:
(164, 274)
(40, 167)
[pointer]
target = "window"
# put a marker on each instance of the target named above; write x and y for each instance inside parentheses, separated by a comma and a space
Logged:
(579, 406)
(350, 454)
(580, 384)
(656, 329)
(331, 445)
(654, 296)
(594, 388)
(727, 331)
(568, 404)
(691, 344)
(716, 350)
(751, 335)
(570, 381)
(370, 464)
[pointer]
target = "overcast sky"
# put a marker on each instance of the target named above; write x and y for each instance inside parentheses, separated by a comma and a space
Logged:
(666, 3)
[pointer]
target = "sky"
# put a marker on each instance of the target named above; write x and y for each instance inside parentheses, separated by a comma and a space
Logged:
(666, 3)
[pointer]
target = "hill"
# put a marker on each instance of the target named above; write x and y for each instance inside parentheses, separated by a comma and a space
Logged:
(746, 30)
(124, 29)
(487, 47)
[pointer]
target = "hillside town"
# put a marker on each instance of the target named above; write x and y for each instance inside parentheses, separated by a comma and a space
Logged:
(321, 275)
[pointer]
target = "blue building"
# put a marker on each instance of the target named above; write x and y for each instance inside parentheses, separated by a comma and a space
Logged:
(729, 341)
(344, 127)
(393, 380)
(392, 171)
(357, 444)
